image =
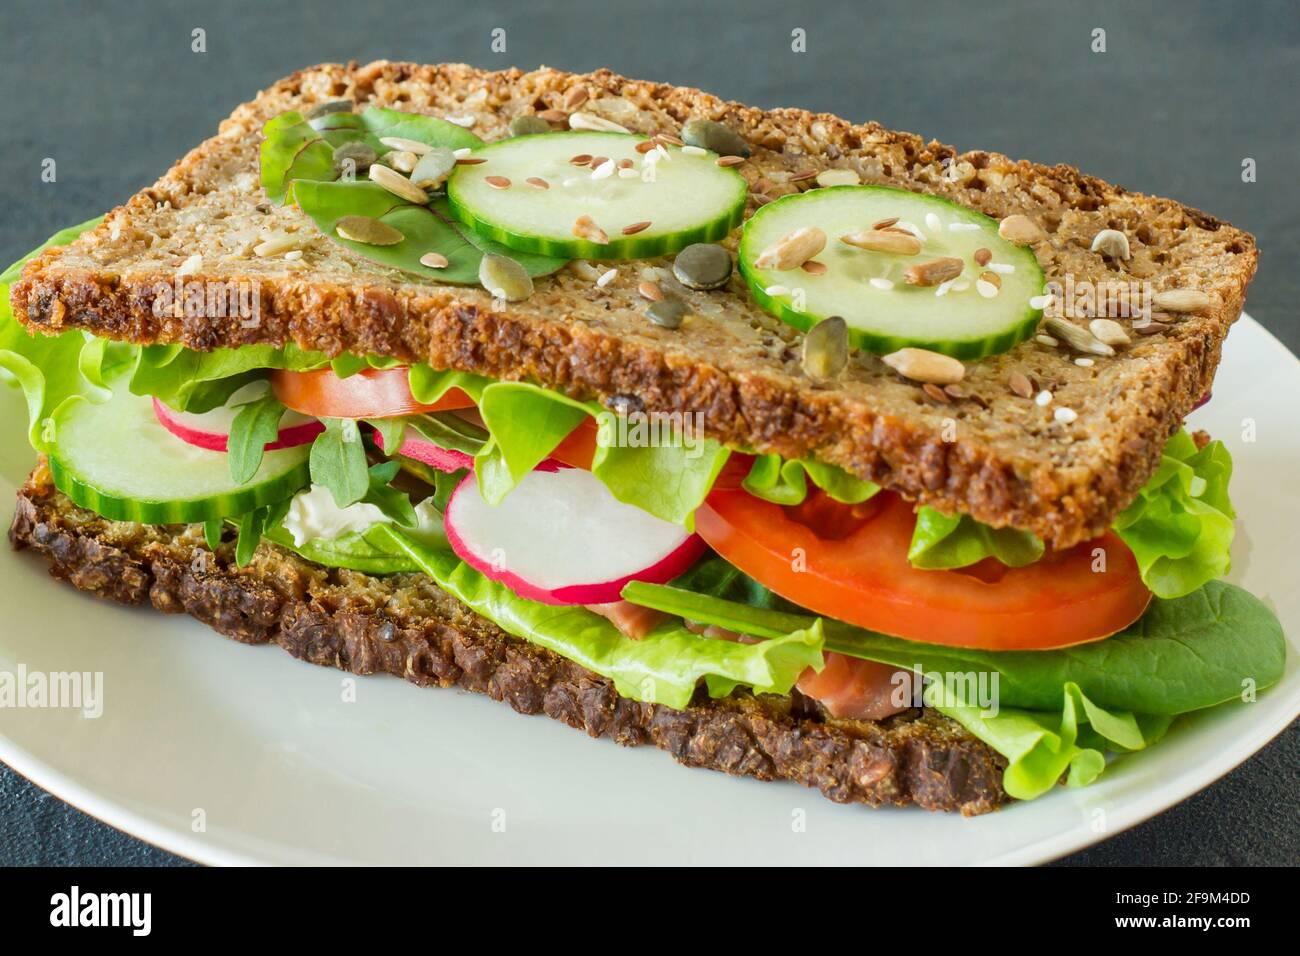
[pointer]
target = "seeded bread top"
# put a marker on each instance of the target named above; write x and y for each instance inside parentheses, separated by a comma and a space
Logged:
(987, 451)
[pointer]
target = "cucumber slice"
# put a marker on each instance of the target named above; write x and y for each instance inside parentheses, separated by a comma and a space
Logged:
(961, 322)
(117, 460)
(690, 199)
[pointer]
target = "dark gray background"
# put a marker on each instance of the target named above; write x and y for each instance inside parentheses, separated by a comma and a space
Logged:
(1184, 92)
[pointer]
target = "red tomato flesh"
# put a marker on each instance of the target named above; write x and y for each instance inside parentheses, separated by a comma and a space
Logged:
(370, 393)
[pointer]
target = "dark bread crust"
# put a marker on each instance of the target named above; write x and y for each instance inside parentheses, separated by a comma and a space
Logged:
(401, 625)
(1009, 463)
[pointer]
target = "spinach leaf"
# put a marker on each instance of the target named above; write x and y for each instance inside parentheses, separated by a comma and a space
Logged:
(256, 425)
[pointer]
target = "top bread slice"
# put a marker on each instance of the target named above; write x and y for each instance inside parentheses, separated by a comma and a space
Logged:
(990, 453)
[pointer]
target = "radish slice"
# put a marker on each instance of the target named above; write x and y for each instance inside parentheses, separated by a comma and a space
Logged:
(560, 537)
(211, 430)
(420, 448)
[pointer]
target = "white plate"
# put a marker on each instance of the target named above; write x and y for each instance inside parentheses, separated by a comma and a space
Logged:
(285, 772)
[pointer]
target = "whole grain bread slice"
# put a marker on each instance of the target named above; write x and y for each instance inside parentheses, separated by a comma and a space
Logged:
(987, 451)
(404, 626)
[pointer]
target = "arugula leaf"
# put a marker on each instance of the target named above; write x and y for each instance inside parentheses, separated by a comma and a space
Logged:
(394, 503)
(427, 228)
(251, 526)
(212, 529)
(256, 425)
(1180, 527)
(338, 461)
(955, 541)
(785, 482)
(391, 432)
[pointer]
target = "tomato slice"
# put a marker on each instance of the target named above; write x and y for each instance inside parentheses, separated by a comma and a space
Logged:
(850, 563)
(579, 446)
(370, 393)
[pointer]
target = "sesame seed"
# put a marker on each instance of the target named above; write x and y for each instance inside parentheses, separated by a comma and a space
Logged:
(1065, 415)
(293, 255)
(932, 222)
(607, 277)
(604, 170)
(1002, 267)
(1043, 398)
(775, 290)
(880, 283)
(462, 152)
(626, 173)
(1039, 301)
(987, 289)
(1044, 339)
(1085, 362)
(694, 151)
(963, 227)
(943, 288)
(465, 122)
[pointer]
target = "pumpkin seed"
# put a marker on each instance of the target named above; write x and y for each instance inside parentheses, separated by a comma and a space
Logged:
(433, 168)
(370, 231)
(709, 134)
(397, 184)
(528, 126)
(358, 154)
(826, 348)
(331, 106)
(667, 313)
(703, 265)
(504, 278)
(401, 143)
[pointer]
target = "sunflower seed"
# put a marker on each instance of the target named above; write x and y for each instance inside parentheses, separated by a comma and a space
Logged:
(922, 365)
(1181, 300)
(933, 272)
(826, 348)
(330, 106)
(838, 177)
(1081, 340)
(575, 97)
(877, 240)
(504, 278)
(433, 168)
(1111, 242)
(711, 135)
(703, 266)
(1020, 230)
(407, 145)
(1108, 331)
(936, 393)
(370, 231)
(792, 250)
(667, 313)
(528, 126)
(397, 184)
(593, 122)
(554, 116)
(434, 260)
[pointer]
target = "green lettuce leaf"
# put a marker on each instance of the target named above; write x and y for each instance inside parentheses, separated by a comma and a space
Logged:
(664, 667)
(48, 368)
(786, 482)
(955, 541)
(1041, 747)
(1180, 527)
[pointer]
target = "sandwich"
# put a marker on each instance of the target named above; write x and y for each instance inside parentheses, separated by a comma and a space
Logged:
(800, 449)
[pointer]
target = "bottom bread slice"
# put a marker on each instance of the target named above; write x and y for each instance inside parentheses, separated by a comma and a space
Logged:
(403, 625)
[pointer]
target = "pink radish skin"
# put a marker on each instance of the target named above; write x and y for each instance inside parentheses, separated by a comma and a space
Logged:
(603, 536)
(189, 429)
(435, 456)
